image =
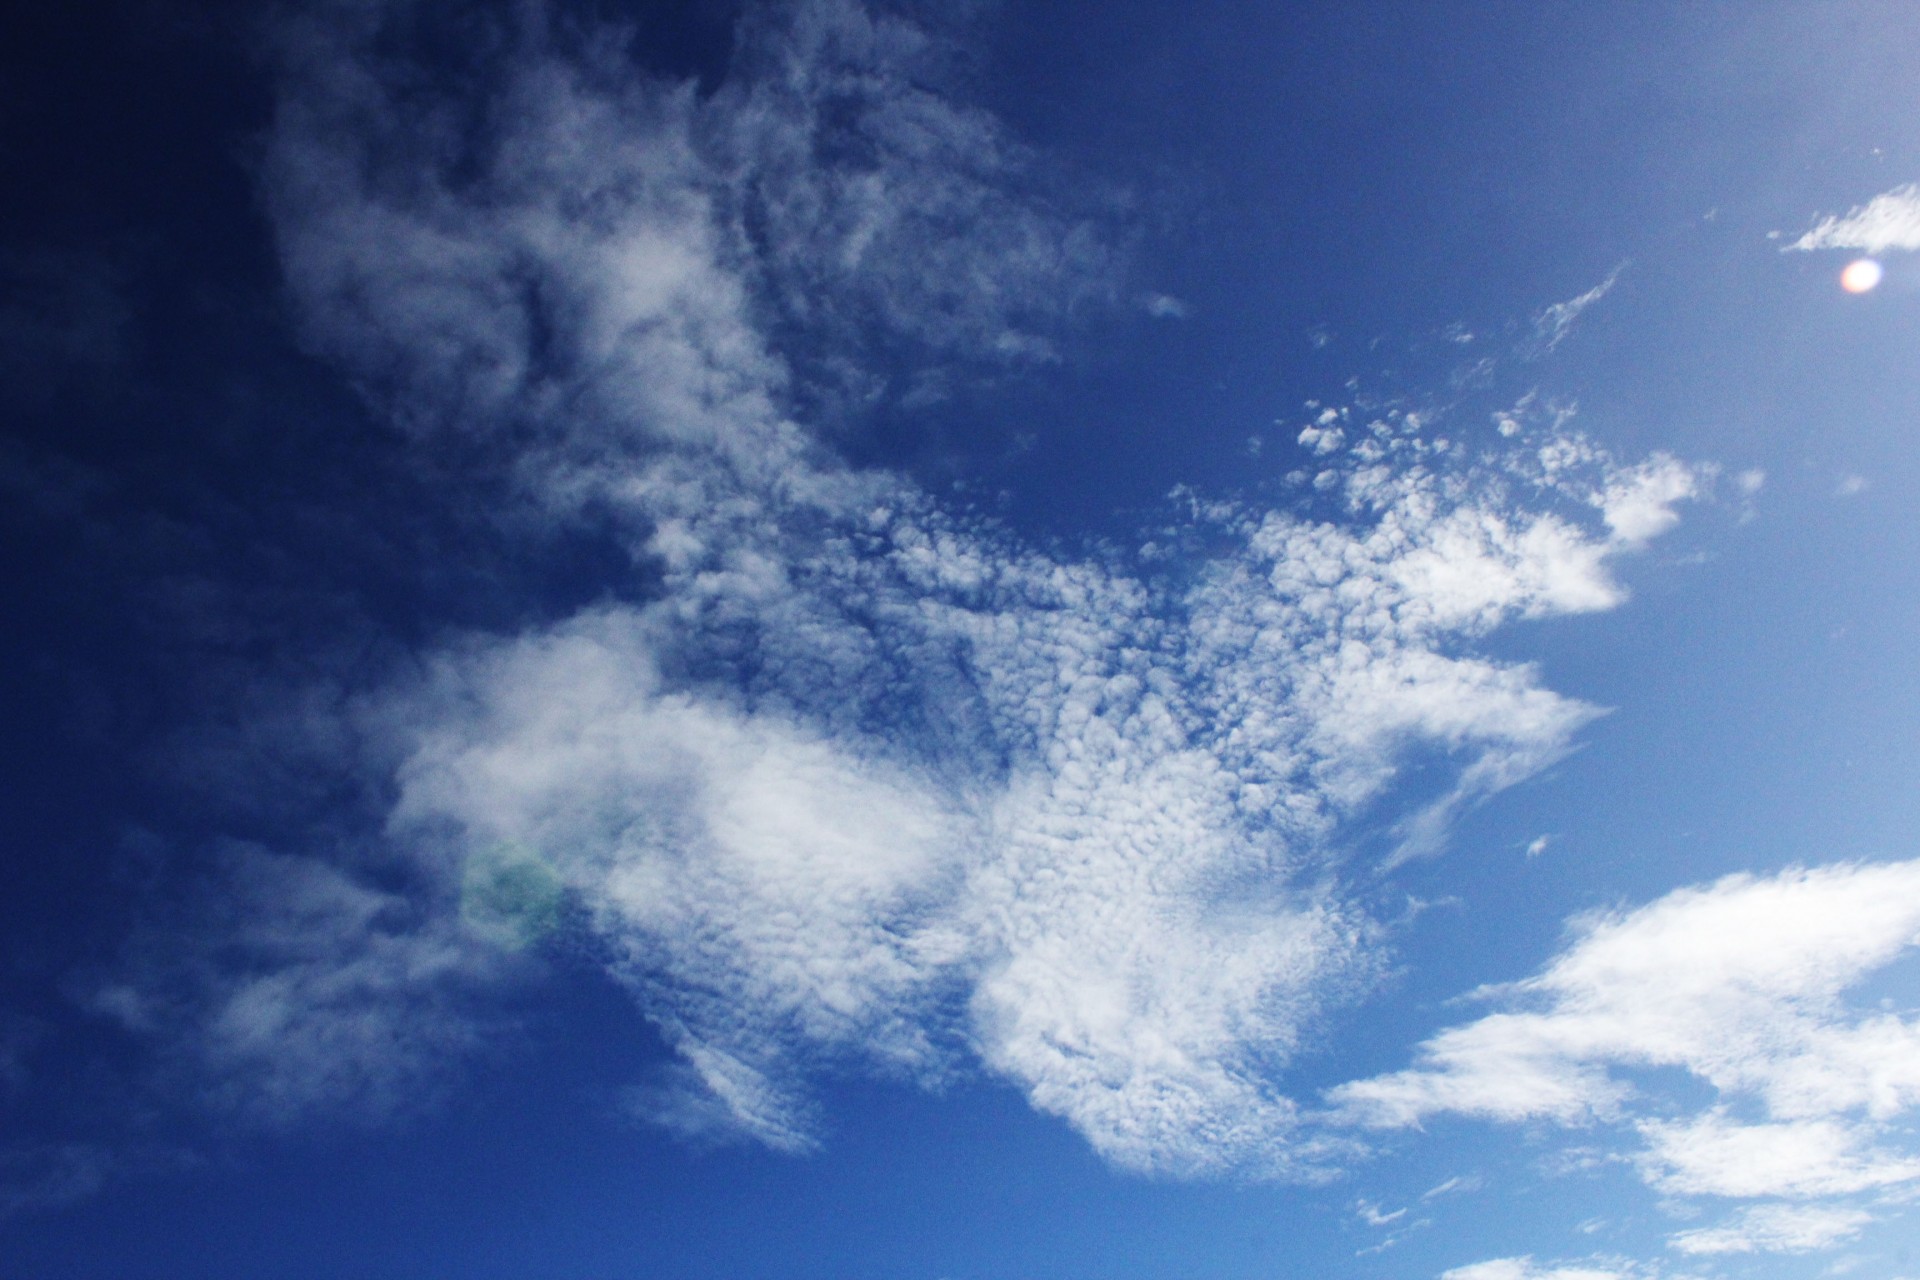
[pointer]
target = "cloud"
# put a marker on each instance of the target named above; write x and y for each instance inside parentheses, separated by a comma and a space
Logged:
(1372, 1214)
(1525, 1268)
(870, 196)
(1552, 325)
(50, 1175)
(1712, 1155)
(1459, 1184)
(1775, 1228)
(877, 783)
(1890, 220)
(844, 778)
(302, 989)
(592, 231)
(1740, 984)
(578, 244)
(1638, 504)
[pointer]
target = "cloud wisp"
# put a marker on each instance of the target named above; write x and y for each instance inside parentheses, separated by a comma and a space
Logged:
(1525, 1268)
(845, 777)
(1552, 326)
(1776, 1228)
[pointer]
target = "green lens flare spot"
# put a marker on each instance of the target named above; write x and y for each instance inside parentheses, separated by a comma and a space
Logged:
(510, 896)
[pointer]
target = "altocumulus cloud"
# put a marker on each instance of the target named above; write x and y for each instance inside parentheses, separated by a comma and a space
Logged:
(849, 778)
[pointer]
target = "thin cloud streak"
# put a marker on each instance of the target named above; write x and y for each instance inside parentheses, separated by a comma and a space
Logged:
(1553, 325)
(1525, 1268)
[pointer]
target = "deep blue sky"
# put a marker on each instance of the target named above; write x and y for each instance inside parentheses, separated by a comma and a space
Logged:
(815, 639)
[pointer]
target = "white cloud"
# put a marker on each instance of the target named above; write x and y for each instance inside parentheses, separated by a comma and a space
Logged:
(1459, 1184)
(1552, 325)
(712, 1097)
(1741, 984)
(1322, 440)
(1890, 220)
(1525, 1268)
(1711, 1155)
(1103, 845)
(856, 781)
(1776, 1228)
(1638, 503)
(767, 872)
(1738, 982)
(1374, 1216)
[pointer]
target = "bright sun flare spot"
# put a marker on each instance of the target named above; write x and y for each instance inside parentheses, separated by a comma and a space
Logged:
(1860, 275)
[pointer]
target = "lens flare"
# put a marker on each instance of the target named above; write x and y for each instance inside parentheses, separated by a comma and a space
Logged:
(1860, 276)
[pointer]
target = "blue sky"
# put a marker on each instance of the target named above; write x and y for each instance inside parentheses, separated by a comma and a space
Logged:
(831, 639)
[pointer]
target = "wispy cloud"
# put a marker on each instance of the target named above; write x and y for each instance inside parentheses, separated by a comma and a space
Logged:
(304, 989)
(1776, 1228)
(1525, 1268)
(49, 1175)
(1458, 1185)
(1552, 326)
(1890, 220)
(1374, 1216)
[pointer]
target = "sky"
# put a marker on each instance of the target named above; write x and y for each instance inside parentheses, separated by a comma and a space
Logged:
(829, 638)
